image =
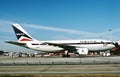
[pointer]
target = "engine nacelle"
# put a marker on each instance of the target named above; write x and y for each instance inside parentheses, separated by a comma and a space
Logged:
(82, 51)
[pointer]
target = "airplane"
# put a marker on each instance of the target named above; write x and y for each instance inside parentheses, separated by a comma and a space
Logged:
(81, 47)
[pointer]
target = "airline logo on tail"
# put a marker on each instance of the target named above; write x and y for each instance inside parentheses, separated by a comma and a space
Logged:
(21, 34)
(25, 39)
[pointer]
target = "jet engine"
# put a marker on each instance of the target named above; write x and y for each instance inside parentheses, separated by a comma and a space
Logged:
(82, 51)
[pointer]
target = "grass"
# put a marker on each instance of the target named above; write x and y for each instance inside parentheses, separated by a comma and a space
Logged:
(65, 75)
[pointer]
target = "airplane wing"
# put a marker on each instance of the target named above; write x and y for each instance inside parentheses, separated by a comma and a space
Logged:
(64, 46)
(16, 43)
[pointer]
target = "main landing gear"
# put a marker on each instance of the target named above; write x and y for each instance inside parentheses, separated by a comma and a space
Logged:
(66, 54)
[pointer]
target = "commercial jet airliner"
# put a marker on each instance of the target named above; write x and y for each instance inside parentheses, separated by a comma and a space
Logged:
(81, 47)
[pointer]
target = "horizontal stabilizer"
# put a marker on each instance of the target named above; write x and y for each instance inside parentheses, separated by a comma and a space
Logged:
(16, 43)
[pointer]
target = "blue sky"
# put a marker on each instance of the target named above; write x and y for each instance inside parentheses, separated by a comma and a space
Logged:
(59, 19)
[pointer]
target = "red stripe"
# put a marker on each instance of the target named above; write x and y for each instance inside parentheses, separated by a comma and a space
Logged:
(26, 39)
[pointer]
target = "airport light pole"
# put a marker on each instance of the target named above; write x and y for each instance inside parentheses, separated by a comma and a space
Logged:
(110, 34)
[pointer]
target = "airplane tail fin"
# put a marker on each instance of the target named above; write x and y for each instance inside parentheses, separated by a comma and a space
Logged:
(21, 34)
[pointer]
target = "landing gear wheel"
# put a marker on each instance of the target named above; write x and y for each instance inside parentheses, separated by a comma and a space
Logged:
(65, 55)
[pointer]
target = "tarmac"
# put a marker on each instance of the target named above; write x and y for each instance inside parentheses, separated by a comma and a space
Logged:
(5, 60)
(83, 65)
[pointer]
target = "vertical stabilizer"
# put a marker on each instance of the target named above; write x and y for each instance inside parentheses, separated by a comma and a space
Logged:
(21, 34)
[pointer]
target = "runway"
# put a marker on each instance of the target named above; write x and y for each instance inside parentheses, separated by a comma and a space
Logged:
(61, 69)
(59, 61)
(84, 65)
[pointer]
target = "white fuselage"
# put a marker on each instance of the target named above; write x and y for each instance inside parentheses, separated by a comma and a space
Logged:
(25, 40)
(91, 45)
